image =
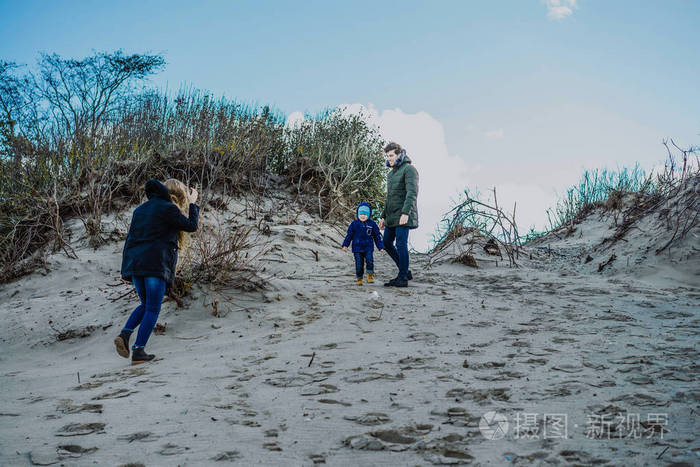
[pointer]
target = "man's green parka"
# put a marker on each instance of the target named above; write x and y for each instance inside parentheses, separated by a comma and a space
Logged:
(401, 194)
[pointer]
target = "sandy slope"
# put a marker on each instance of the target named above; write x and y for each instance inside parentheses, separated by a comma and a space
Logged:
(316, 369)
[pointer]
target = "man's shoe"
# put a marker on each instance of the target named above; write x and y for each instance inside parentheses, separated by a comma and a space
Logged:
(358, 281)
(122, 346)
(396, 282)
(140, 356)
(370, 278)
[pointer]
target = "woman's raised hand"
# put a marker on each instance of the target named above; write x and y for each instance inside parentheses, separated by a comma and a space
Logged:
(193, 195)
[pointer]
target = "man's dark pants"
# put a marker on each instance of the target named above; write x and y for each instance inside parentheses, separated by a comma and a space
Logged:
(398, 253)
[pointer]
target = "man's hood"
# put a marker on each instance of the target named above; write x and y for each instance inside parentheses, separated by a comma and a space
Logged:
(403, 157)
(155, 189)
(357, 210)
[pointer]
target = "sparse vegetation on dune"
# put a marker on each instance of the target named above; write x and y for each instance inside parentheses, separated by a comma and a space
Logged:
(80, 137)
(486, 223)
(630, 195)
(627, 195)
(606, 188)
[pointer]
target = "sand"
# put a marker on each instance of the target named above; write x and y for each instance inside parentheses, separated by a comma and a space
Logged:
(317, 370)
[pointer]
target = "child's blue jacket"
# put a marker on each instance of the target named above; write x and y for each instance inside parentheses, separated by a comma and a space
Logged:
(363, 233)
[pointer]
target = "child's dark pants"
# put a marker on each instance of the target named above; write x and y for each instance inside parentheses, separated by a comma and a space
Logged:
(360, 259)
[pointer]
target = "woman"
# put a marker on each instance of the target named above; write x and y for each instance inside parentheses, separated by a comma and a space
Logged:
(400, 210)
(150, 257)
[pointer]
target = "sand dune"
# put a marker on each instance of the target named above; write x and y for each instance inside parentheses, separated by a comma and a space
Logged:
(316, 370)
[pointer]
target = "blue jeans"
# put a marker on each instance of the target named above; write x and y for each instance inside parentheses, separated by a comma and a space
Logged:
(399, 253)
(360, 259)
(151, 291)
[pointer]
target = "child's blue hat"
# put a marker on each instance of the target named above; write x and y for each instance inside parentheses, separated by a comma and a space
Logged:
(363, 209)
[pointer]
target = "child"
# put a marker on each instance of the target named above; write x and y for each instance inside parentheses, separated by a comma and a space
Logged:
(361, 232)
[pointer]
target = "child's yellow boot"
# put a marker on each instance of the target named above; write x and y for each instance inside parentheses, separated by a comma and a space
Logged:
(370, 278)
(358, 281)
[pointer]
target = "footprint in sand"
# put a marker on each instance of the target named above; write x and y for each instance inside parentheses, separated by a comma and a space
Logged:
(478, 324)
(594, 366)
(641, 380)
(480, 396)
(118, 394)
(457, 416)
(288, 381)
(301, 379)
(317, 459)
(416, 363)
(505, 375)
(445, 450)
(110, 377)
(581, 458)
(66, 406)
(422, 336)
(606, 383)
(640, 400)
(565, 389)
(171, 449)
(333, 401)
(517, 332)
(392, 436)
(272, 446)
(520, 343)
(90, 385)
(567, 368)
(365, 376)
(320, 389)
(248, 423)
(536, 361)
(333, 345)
(369, 419)
(227, 456)
(73, 451)
(143, 436)
(81, 429)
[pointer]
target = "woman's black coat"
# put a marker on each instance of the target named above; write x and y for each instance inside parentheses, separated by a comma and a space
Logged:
(151, 246)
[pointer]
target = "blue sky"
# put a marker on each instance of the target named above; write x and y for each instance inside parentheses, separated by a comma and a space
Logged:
(515, 95)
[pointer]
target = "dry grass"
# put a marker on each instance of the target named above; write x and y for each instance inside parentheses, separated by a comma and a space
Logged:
(480, 219)
(225, 256)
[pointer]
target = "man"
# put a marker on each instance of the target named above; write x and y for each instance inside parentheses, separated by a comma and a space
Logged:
(400, 211)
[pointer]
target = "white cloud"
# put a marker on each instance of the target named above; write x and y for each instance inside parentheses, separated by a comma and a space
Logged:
(294, 119)
(495, 134)
(560, 9)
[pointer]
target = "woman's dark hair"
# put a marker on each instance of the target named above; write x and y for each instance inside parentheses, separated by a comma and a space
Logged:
(392, 146)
